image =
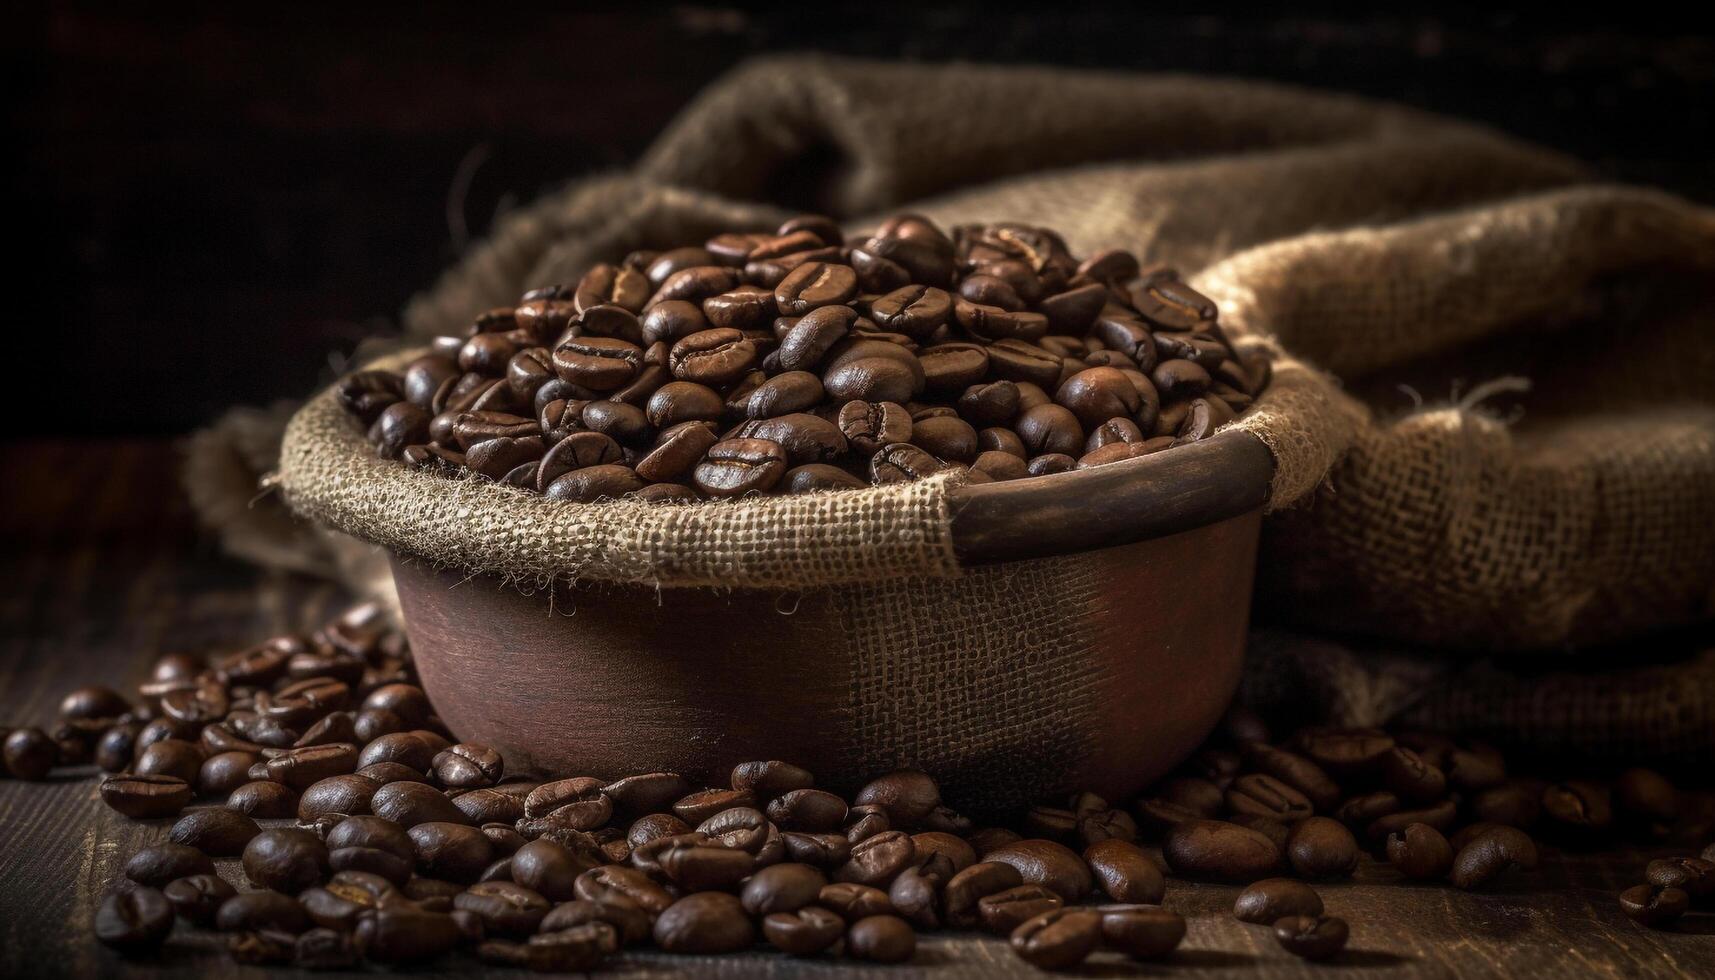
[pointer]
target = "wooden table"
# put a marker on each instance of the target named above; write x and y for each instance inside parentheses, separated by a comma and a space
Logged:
(103, 567)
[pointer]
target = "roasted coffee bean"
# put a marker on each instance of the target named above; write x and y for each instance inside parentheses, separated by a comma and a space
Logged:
(804, 438)
(1050, 430)
(803, 932)
(1125, 873)
(549, 868)
(1440, 816)
(739, 466)
(701, 867)
(705, 922)
(825, 851)
(613, 883)
(1694, 876)
(949, 439)
(1295, 771)
(1410, 778)
(1320, 847)
(915, 895)
(1311, 937)
(631, 924)
(116, 747)
(261, 800)
(1490, 854)
(1004, 911)
(881, 939)
(900, 462)
(808, 810)
(197, 898)
(1045, 863)
(655, 826)
(1142, 932)
(146, 797)
(158, 864)
(372, 845)
(259, 910)
(485, 806)
(1266, 796)
(593, 808)
(1214, 850)
(1420, 851)
(346, 897)
(813, 285)
(876, 860)
(1654, 905)
(400, 934)
(1346, 752)
(286, 859)
(299, 768)
(1058, 939)
(781, 888)
(968, 887)
(1648, 800)
(1578, 807)
(505, 908)
(1267, 901)
(217, 832)
(852, 901)
(168, 757)
(350, 795)
(453, 851)
(134, 921)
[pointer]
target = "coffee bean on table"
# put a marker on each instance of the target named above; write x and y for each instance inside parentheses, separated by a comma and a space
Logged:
(1125, 873)
(704, 922)
(159, 864)
(1142, 932)
(1694, 876)
(1654, 905)
(1219, 851)
(1320, 847)
(1489, 855)
(260, 800)
(146, 797)
(881, 939)
(1264, 902)
(1058, 939)
(804, 932)
(1420, 852)
(134, 921)
(286, 859)
(196, 898)
(216, 831)
(1311, 937)
(1004, 911)
(258, 910)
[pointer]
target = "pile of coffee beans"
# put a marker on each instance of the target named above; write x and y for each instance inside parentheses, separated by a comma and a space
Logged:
(369, 834)
(800, 361)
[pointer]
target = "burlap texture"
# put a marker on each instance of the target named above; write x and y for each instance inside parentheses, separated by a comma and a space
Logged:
(1368, 246)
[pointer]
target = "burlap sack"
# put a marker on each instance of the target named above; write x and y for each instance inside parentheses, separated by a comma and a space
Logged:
(1368, 246)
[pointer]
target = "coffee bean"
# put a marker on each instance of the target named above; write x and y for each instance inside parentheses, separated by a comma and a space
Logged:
(1694, 876)
(400, 934)
(901, 462)
(259, 910)
(1142, 932)
(1351, 753)
(1058, 939)
(967, 888)
(349, 795)
(217, 832)
(1271, 899)
(549, 868)
(876, 860)
(853, 901)
(804, 438)
(1319, 847)
(881, 939)
(781, 888)
(1051, 865)
(1654, 905)
(1579, 807)
(158, 864)
(803, 932)
(705, 922)
(1004, 911)
(262, 799)
(134, 921)
(1267, 797)
(697, 867)
(285, 859)
(1295, 771)
(1311, 937)
(1420, 851)
(1411, 778)
(1125, 873)
(1491, 854)
(373, 845)
(735, 467)
(145, 797)
(813, 285)
(168, 757)
(825, 851)
(197, 898)
(1214, 850)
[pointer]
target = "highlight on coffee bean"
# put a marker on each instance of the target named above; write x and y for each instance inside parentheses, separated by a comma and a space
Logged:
(799, 360)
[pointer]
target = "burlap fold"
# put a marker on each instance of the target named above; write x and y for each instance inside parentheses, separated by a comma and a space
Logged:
(1414, 276)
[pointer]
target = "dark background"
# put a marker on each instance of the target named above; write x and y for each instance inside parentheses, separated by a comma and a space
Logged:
(213, 203)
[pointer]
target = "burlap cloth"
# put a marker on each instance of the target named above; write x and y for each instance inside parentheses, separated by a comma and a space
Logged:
(1493, 407)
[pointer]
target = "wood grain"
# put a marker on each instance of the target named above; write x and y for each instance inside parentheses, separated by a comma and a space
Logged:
(103, 568)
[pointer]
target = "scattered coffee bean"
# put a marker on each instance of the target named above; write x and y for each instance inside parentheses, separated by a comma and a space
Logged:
(1267, 901)
(1311, 937)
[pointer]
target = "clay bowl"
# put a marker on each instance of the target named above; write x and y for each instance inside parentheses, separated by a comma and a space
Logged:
(1106, 690)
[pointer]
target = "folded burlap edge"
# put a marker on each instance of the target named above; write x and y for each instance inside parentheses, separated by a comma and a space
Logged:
(329, 473)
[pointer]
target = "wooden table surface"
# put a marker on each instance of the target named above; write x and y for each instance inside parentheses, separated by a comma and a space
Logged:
(103, 568)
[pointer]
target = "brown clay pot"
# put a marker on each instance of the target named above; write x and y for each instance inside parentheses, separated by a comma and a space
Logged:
(612, 680)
